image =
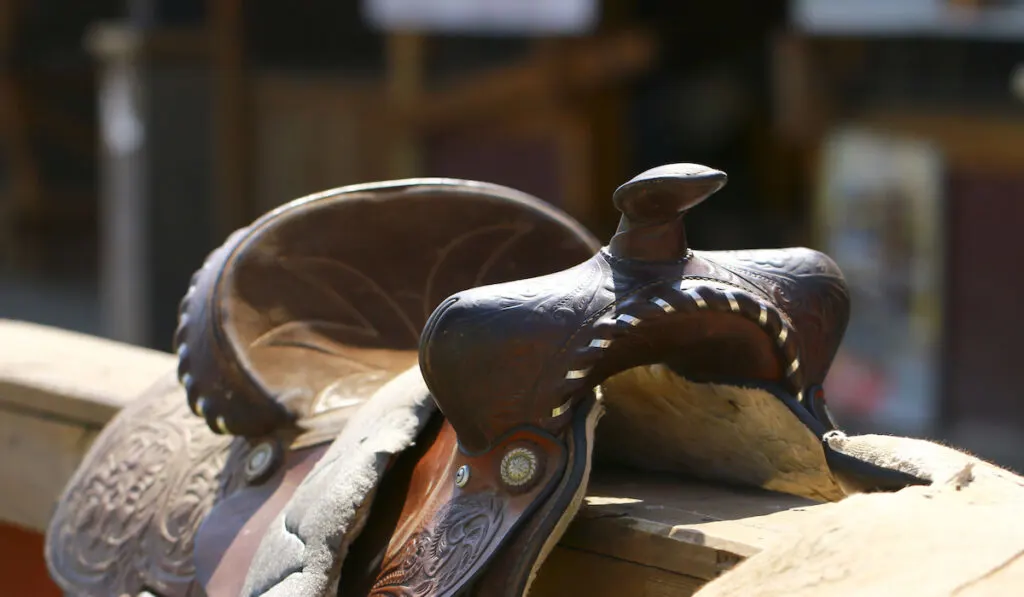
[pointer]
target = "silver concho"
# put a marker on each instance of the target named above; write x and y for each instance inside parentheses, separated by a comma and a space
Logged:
(260, 463)
(519, 468)
(462, 476)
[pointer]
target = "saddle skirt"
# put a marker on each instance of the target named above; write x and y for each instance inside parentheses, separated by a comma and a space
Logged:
(401, 385)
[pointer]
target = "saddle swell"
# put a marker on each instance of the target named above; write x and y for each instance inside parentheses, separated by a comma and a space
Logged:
(538, 345)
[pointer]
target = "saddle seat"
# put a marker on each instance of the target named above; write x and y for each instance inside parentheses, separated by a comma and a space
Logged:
(411, 409)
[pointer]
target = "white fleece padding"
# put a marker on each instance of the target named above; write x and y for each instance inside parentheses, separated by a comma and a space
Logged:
(924, 459)
(657, 420)
(301, 552)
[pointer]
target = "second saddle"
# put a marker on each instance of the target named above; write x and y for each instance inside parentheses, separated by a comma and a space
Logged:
(395, 389)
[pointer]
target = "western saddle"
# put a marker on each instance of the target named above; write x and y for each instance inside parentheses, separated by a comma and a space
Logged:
(394, 389)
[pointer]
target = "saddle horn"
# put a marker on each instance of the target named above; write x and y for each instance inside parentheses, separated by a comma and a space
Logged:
(652, 206)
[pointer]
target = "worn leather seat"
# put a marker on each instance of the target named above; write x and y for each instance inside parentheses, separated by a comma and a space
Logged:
(367, 470)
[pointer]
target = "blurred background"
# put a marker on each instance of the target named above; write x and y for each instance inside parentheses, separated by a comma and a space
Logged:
(135, 135)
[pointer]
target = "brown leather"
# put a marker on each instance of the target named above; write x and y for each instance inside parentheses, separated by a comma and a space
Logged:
(228, 538)
(511, 571)
(362, 565)
(321, 301)
(651, 228)
(127, 518)
(461, 527)
(542, 340)
(545, 339)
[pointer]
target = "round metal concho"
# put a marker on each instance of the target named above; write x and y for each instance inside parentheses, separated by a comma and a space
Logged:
(519, 468)
(261, 463)
(462, 476)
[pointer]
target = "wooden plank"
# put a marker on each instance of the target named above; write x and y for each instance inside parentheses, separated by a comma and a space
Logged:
(404, 88)
(570, 571)
(984, 143)
(524, 88)
(677, 525)
(558, 167)
(72, 377)
(40, 456)
(314, 132)
(232, 115)
(57, 390)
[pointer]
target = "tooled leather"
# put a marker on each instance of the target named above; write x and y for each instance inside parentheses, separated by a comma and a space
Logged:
(694, 287)
(515, 329)
(448, 533)
(128, 518)
(806, 284)
(530, 335)
(289, 289)
(511, 570)
(435, 559)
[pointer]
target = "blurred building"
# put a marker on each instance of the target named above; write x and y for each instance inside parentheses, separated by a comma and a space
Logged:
(138, 134)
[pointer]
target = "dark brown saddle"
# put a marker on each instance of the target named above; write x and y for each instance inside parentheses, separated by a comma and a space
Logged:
(404, 380)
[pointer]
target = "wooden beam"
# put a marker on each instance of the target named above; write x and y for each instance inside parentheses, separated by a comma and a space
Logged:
(404, 90)
(983, 143)
(57, 390)
(24, 191)
(24, 171)
(584, 66)
(231, 116)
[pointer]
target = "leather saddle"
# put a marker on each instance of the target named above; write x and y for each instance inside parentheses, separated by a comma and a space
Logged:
(395, 389)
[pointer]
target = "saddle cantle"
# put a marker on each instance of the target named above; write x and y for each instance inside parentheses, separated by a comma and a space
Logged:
(346, 279)
(414, 373)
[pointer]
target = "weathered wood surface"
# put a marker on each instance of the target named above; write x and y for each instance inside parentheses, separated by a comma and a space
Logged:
(79, 379)
(961, 536)
(658, 536)
(57, 390)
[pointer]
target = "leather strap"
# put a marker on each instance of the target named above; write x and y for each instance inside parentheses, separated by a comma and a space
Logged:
(227, 541)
